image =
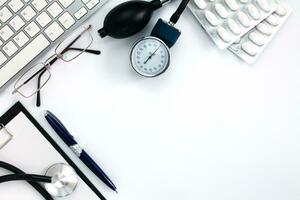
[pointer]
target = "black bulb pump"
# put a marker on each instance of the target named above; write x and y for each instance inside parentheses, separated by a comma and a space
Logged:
(129, 18)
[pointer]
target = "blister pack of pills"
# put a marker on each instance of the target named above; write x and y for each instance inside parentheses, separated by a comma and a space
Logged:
(227, 20)
(251, 45)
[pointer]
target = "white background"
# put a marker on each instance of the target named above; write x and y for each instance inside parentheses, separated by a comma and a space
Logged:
(211, 128)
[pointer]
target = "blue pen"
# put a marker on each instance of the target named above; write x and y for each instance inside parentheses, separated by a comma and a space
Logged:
(69, 140)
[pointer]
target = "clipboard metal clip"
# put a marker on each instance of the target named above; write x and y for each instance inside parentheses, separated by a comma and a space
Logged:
(5, 136)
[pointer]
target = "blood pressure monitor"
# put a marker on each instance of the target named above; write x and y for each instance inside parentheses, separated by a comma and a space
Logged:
(150, 56)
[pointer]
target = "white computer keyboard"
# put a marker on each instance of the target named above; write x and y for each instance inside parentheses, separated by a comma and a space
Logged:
(30, 27)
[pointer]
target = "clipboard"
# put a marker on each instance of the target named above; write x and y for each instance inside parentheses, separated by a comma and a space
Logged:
(18, 115)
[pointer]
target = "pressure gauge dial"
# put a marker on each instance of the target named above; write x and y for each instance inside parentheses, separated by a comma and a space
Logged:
(150, 57)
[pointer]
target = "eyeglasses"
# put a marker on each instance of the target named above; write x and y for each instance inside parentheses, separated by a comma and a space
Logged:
(66, 51)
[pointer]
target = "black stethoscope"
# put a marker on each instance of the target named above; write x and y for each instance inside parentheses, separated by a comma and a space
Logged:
(60, 179)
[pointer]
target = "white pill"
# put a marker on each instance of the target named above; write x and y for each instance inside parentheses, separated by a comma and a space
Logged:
(244, 1)
(221, 10)
(211, 18)
(264, 5)
(281, 10)
(200, 4)
(234, 27)
(250, 48)
(244, 19)
(253, 12)
(232, 4)
(257, 38)
(224, 34)
(273, 20)
(264, 28)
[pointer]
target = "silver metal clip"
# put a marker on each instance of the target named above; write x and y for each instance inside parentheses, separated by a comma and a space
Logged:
(5, 136)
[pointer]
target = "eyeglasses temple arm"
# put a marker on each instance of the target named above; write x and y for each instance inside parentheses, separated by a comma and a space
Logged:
(38, 94)
(71, 43)
(51, 62)
(68, 47)
(92, 51)
(36, 73)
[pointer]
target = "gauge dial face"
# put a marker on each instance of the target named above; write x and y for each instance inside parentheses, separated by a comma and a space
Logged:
(150, 57)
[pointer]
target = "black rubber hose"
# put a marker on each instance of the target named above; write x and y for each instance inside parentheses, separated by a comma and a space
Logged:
(25, 177)
(35, 185)
(175, 17)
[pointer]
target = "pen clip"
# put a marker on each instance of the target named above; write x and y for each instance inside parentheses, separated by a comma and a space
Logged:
(65, 130)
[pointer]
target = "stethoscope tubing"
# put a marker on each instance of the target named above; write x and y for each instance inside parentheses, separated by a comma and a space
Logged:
(25, 177)
(35, 185)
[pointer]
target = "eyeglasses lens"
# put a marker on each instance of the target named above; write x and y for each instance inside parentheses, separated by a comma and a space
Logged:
(74, 46)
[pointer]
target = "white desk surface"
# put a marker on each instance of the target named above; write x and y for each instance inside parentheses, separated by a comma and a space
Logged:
(211, 128)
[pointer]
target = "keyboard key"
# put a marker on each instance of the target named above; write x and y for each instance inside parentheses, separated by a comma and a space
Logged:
(54, 31)
(54, 9)
(92, 3)
(39, 4)
(6, 33)
(80, 13)
(21, 59)
(66, 20)
(32, 29)
(43, 19)
(15, 5)
(2, 58)
(5, 14)
(85, 1)
(17, 23)
(28, 13)
(1, 42)
(10, 48)
(66, 3)
(21, 39)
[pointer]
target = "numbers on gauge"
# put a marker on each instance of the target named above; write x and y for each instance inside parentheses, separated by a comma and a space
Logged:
(150, 57)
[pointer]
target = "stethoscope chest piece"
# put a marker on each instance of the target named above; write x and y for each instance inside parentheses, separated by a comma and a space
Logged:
(64, 180)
